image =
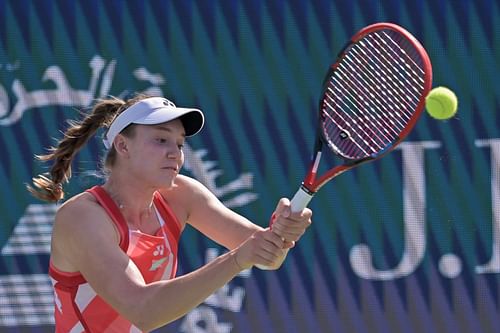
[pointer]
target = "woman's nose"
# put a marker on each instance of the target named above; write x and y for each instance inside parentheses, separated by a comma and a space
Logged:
(174, 153)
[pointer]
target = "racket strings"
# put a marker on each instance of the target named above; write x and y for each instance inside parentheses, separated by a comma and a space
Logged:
(370, 132)
(379, 135)
(351, 122)
(343, 132)
(406, 64)
(415, 68)
(372, 95)
(376, 104)
(384, 77)
(393, 65)
(395, 97)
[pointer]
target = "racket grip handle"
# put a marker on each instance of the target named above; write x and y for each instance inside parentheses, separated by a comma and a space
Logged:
(300, 200)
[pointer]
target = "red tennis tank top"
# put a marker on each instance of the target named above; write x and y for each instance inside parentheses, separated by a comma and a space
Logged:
(78, 308)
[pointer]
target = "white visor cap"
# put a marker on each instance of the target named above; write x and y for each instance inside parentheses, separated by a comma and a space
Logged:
(152, 111)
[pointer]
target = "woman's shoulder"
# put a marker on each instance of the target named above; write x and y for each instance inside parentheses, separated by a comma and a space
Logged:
(80, 224)
(82, 206)
(187, 181)
(184, 185)
(82, 200)
(185, 195)
(81, 215)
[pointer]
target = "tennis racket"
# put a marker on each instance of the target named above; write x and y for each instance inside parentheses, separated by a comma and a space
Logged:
(372, 96)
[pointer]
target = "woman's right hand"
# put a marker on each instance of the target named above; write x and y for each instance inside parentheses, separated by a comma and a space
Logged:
(263, 248)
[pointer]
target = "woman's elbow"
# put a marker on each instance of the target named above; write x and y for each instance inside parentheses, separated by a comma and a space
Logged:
(146, 315)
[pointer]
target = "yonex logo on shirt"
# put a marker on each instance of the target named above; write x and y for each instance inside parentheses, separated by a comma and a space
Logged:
(157, 264)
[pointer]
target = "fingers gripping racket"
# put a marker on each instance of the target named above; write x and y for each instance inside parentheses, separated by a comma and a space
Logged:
(372, 97)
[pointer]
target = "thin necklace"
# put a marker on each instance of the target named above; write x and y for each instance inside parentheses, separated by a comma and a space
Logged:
(122, 206)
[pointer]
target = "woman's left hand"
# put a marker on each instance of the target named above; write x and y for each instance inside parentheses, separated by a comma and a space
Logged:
(290, 226)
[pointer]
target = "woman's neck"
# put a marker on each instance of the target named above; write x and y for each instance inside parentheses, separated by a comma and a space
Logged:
(135, 202)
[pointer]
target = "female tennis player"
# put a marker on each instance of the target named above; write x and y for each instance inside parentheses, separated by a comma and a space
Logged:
(114, 247)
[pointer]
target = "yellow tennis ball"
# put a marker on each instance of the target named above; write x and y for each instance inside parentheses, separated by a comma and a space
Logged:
(441, 103)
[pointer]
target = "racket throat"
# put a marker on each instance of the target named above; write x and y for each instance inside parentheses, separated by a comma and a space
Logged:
(311, 175)
(305, 193)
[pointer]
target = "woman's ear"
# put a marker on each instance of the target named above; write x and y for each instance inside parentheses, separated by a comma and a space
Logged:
(121, 145)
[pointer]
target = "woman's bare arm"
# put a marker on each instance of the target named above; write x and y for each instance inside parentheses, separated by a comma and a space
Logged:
(85, 240)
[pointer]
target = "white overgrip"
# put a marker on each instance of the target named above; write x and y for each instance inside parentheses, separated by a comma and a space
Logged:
(300, 200)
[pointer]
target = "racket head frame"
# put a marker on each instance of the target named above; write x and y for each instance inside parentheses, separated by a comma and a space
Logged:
(312, 182)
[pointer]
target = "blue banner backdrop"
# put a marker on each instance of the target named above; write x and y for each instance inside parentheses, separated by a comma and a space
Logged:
(410, 243)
